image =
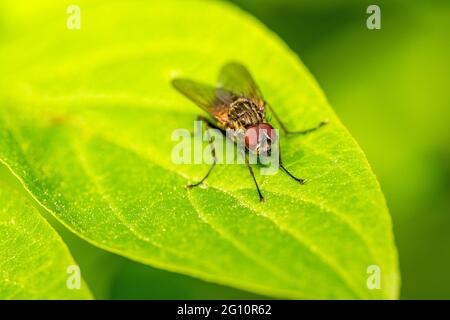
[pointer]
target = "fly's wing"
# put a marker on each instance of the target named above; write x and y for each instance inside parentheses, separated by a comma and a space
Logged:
(235, 78)
(215, 101)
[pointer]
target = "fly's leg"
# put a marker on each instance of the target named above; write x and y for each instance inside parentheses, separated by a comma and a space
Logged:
(287, 131)
(208, 124)
(261, 198)
(299, 180)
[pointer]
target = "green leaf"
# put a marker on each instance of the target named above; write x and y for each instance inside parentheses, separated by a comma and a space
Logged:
(86, 124)
(33, 258)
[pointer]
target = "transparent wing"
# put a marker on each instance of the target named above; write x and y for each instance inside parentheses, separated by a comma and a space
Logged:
(236, 78)
(206, 97)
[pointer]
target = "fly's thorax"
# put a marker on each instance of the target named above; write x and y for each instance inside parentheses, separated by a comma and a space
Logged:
(244, 113)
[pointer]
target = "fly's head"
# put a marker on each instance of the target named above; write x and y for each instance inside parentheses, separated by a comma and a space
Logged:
(259, 138)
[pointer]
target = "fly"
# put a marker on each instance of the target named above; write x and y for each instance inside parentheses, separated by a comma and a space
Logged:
(237, 103)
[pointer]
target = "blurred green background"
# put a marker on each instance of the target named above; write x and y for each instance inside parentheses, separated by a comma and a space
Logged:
(390, 88)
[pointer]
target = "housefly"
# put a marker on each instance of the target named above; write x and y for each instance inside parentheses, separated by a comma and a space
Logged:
(237, 103)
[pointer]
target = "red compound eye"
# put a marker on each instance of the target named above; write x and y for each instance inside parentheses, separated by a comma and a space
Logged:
(268, 130)
(251, 137)
(255, 135)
